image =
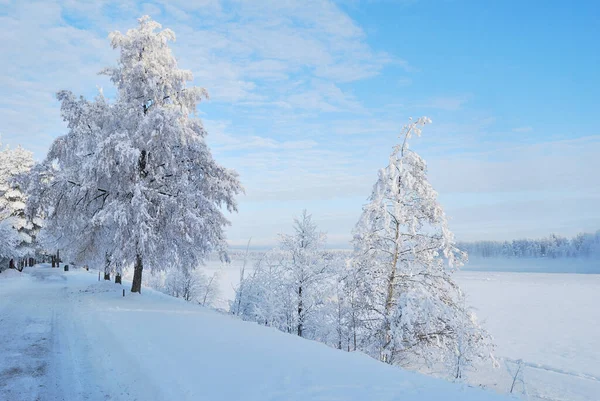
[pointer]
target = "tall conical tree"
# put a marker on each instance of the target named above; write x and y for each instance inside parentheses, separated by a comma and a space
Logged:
(404, 255)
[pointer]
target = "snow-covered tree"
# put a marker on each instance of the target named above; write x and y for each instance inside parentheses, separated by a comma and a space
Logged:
(192, 285)
(9, 239)
(15, 165)
(290, 283)
(69, 189)
(266, 296)
(306, 265)
(553, 246)
(404, 255)
(136, 178)
(472, 344)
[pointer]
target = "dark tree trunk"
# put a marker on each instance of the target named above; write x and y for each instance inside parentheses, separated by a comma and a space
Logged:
(53, 261)
(136, 285)
(58, 258)
(106, 267)
(300, 317)
(11, 264)
(118, 279)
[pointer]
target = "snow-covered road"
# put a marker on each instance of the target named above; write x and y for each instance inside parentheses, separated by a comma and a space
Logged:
(66, 336)
(55, 346)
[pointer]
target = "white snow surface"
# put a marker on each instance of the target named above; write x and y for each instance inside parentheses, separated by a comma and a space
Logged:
(66, 336)
(550, 321)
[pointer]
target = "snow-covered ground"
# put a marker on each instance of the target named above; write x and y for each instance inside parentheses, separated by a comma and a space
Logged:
(66, 336)
(550, 321)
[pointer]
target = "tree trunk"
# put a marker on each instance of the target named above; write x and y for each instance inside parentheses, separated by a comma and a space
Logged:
(136, 285)
(53, 260)
(300, 317)
(11, 264)
(118, 279)
(106, 267)
(58, 258)
(389, 300)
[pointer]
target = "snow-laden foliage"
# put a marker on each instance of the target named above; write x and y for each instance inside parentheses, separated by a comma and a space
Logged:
(67, 189)
(15, 165)
(288, 288)
(554, 246)
(408, 306)
(9, 239)
(135, 179)
(192, 285)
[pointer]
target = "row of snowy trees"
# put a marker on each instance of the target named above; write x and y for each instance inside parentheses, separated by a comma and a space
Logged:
(582, 245)
(17, 230)
(394, 298)
(133, 183)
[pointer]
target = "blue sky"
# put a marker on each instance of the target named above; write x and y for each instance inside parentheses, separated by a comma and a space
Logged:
(307, 98)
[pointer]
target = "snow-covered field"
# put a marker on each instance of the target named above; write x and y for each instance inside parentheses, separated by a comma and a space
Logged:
(66, 336)
(550, 321)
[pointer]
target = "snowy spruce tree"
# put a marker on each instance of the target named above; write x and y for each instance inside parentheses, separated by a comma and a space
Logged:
(404, 254)
(15, 165)
(135, 179)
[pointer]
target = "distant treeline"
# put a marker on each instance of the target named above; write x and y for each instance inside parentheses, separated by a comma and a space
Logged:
(553, 246)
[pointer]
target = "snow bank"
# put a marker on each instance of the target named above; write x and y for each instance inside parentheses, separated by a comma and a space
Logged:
(10, 273)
